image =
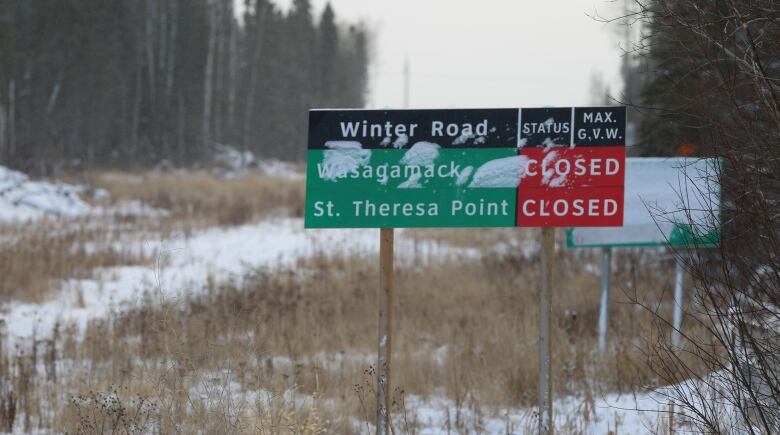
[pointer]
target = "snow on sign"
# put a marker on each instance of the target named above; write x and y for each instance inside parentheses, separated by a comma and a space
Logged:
(545, 167)
(669, 201)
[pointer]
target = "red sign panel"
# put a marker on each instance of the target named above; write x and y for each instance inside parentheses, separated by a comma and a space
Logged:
(574, 167)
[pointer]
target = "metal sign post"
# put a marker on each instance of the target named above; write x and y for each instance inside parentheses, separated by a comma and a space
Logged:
(606, 269)
(385, 296)
(654, 217)
(545, 312)
(679, 276)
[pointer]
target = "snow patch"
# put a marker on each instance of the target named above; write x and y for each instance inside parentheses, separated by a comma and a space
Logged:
(463, 177)
(463, 138)
(134, 207)
(343, 157)
(231, 163)
(230, 158)
(401, 141)
(421, 154)
(23, 199)
(412, 183)
(549, 143)
(548, 162)
(279, 169)
(503, 172)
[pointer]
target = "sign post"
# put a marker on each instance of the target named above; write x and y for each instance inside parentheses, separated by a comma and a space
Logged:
(669, 202)
(679, 276)
(606, 266)
(384, 385)
(545, 312)
(530, 167)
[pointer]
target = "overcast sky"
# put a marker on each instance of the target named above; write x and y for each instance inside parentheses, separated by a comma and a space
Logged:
(485, 53)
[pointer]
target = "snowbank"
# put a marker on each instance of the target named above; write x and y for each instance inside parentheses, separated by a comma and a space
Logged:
(230, 162)
(23, 199)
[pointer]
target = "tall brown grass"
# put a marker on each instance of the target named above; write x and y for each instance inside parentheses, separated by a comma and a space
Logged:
(290, 349)
(465, 330)
(34, 256)
(202, 197)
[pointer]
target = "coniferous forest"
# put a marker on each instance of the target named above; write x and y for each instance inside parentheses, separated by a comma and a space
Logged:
(87, 83)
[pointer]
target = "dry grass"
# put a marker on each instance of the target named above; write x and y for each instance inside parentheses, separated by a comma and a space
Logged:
(203, 198)
(34, 256)
(472, 238)
(290, 350)
(465, 330)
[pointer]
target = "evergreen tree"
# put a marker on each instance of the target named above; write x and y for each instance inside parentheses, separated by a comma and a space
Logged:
(328, 57)
(134, 82)
(671, 94)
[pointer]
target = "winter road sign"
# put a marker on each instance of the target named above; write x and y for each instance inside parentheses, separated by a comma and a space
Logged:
(536, 167)
(669, 202)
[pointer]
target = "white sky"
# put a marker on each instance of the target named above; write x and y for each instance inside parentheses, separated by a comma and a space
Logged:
(485, 53)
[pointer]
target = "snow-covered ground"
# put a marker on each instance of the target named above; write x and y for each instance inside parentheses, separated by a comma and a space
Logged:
(184, 265)
(613, 413)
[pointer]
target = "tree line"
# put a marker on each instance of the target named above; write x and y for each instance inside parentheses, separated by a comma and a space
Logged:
(688, 88)
(706, 83)
(136, 82)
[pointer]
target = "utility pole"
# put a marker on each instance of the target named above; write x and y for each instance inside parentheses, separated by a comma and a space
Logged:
(406, 83)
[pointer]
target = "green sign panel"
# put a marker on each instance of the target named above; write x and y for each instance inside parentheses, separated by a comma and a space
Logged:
(669, 202)
(359, 188)
(463, 167)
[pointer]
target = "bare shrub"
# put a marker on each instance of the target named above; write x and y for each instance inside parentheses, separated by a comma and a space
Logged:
(98, 413)
(7, 407)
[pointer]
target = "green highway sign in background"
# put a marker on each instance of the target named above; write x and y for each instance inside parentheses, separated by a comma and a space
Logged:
(669, 202)
(465, 167)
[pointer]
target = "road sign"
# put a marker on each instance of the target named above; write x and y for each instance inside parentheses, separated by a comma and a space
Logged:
(669, 202)
(547, 167)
